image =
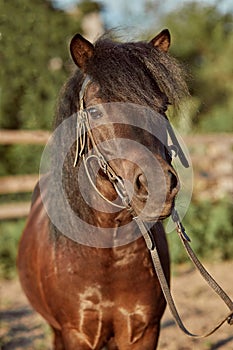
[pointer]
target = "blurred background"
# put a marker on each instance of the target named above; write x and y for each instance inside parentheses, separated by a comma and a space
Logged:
(35, 63)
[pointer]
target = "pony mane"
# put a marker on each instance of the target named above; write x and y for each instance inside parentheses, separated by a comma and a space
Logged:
(135, 72)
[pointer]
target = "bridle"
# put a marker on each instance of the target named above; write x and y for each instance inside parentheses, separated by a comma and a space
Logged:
(83, 130)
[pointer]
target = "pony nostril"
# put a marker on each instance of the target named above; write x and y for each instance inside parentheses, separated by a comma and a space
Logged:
(140, 184)
(174, 180)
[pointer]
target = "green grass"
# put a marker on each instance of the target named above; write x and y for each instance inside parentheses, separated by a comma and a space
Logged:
(10, 232)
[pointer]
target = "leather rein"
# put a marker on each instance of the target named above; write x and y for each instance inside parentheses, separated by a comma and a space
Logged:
(83, 129)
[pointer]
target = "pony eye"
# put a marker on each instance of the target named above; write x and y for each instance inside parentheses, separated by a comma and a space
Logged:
(95, 113)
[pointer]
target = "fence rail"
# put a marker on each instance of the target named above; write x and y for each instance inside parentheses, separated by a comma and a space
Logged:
(26, 183)
(17, 183)
(14, 210)
(34, 137)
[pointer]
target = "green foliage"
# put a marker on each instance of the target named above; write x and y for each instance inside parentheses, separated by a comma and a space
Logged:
(86, 6)
(35, 57)
(202, 39)
(10, 232)
(209, 225)
(34, 38)
(21, 159)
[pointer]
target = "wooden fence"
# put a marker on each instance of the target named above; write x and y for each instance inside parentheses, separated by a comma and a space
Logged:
(19, 183)
(35, 137)
(210, 153)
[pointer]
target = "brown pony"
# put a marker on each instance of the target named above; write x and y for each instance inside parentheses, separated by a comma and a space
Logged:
(93, 294)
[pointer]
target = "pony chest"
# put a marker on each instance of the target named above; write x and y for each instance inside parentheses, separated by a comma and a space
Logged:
(134, 259)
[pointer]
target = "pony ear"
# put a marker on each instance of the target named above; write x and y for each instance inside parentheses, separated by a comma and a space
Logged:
(81, 50)
(162, 40)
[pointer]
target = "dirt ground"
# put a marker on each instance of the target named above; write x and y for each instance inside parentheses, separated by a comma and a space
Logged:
(23, 329)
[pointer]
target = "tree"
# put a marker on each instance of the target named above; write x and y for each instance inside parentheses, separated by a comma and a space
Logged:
(34, 39)
(203, 40)
(35, 60)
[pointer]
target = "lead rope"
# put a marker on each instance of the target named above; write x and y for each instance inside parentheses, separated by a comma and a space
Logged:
(151, 245)
(83, 127)
(205, 274)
